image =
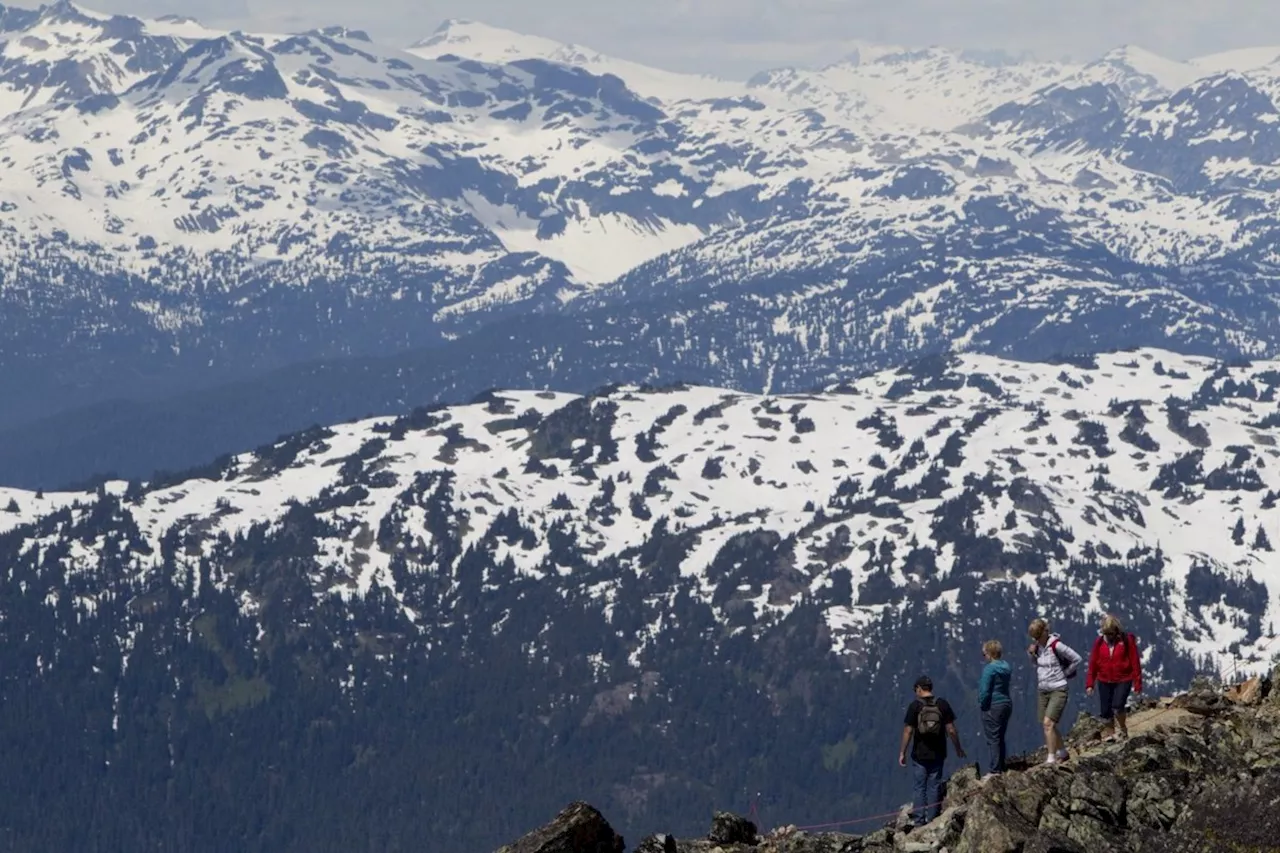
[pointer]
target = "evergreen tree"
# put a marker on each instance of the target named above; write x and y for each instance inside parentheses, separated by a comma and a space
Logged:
(1260, 541)
(1237, 533)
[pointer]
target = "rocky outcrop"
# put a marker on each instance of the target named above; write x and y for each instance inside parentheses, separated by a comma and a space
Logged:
(577, 829)
(1200, 773)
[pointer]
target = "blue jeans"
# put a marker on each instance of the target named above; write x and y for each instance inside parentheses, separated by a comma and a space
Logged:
(1113, 697)
(927, 778)
(995, 722)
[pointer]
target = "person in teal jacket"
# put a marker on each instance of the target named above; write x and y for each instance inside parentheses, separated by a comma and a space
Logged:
(995, 703)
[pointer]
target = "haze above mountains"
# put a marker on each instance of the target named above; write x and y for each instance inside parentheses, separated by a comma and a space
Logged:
(356, 228)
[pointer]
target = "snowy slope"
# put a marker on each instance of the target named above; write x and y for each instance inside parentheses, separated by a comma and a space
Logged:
(934, 88)
(1054, 465)
(1244, 59)
(191, 201)
(260, 199)
(475, 40)
(65, 52)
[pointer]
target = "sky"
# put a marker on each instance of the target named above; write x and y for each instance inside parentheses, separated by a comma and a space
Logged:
(735, 38)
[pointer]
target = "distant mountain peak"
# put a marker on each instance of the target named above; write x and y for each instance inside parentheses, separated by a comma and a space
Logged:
(65, 10)
(486, 41)
(1241, 59)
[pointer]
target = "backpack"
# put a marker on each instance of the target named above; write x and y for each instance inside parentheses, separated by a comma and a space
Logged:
(1070, 669)
(929, 719)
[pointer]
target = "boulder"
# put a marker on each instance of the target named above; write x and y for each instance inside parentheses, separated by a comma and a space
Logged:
(658, 844)
(729, 828)
(579, 828)
(1247, 693)
(962, 784)
(1205, 703)
(1087, 728)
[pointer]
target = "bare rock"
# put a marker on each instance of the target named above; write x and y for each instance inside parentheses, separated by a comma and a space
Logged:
(729, 828)
(658, 844)
(1249, 693)
(1205, 703)
(1087, 728)
(577, 829)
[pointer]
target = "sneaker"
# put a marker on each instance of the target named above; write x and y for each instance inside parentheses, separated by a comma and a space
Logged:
(1052, 759)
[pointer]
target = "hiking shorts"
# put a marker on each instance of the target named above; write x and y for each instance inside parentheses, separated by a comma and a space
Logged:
(1051, 704)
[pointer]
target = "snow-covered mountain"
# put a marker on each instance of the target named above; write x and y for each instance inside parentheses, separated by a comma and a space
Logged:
(183, 205)
(478, 41)
(64, 53)
(537, 593)
(243, 200)
(902, 481)
(933, 88)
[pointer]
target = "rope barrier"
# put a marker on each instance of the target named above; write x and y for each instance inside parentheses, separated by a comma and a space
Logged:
(1222, 677)
(753, 814)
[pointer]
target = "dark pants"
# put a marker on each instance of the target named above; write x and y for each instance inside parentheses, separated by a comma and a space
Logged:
(1114, 696)
(995, 722)
(927, 776)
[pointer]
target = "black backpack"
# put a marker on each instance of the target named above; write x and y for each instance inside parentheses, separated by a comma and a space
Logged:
(929, 719)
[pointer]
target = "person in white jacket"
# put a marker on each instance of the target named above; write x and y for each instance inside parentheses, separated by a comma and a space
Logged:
(1056, 664)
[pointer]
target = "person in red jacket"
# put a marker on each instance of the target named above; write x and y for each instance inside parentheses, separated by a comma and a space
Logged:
(1115, 667)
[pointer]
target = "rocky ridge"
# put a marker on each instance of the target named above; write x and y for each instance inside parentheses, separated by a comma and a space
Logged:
(1195, 764)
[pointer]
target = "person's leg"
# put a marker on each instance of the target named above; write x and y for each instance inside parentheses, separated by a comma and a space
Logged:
(991, 734)
(1120, 703)
(1057, 706)
(1106, 706)
(1042, 714)
(919, 781)
(934, 789)
(1004, 713)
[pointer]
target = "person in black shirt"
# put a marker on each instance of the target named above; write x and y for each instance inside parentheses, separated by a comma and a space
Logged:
(928, 724)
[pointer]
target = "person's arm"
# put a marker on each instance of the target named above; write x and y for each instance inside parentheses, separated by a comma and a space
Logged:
(955, 739)
(1095, 656)
(1136, 660)
(906, 742)
(1073, 658)
(985, 686)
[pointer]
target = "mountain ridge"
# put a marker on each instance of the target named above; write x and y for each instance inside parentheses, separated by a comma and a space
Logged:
(274, 200)
(609, 593)
(504, 432)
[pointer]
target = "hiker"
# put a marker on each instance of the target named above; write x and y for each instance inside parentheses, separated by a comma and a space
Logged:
(928, 724)
(1056, 663)
(996, 703)
(1115, 667)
